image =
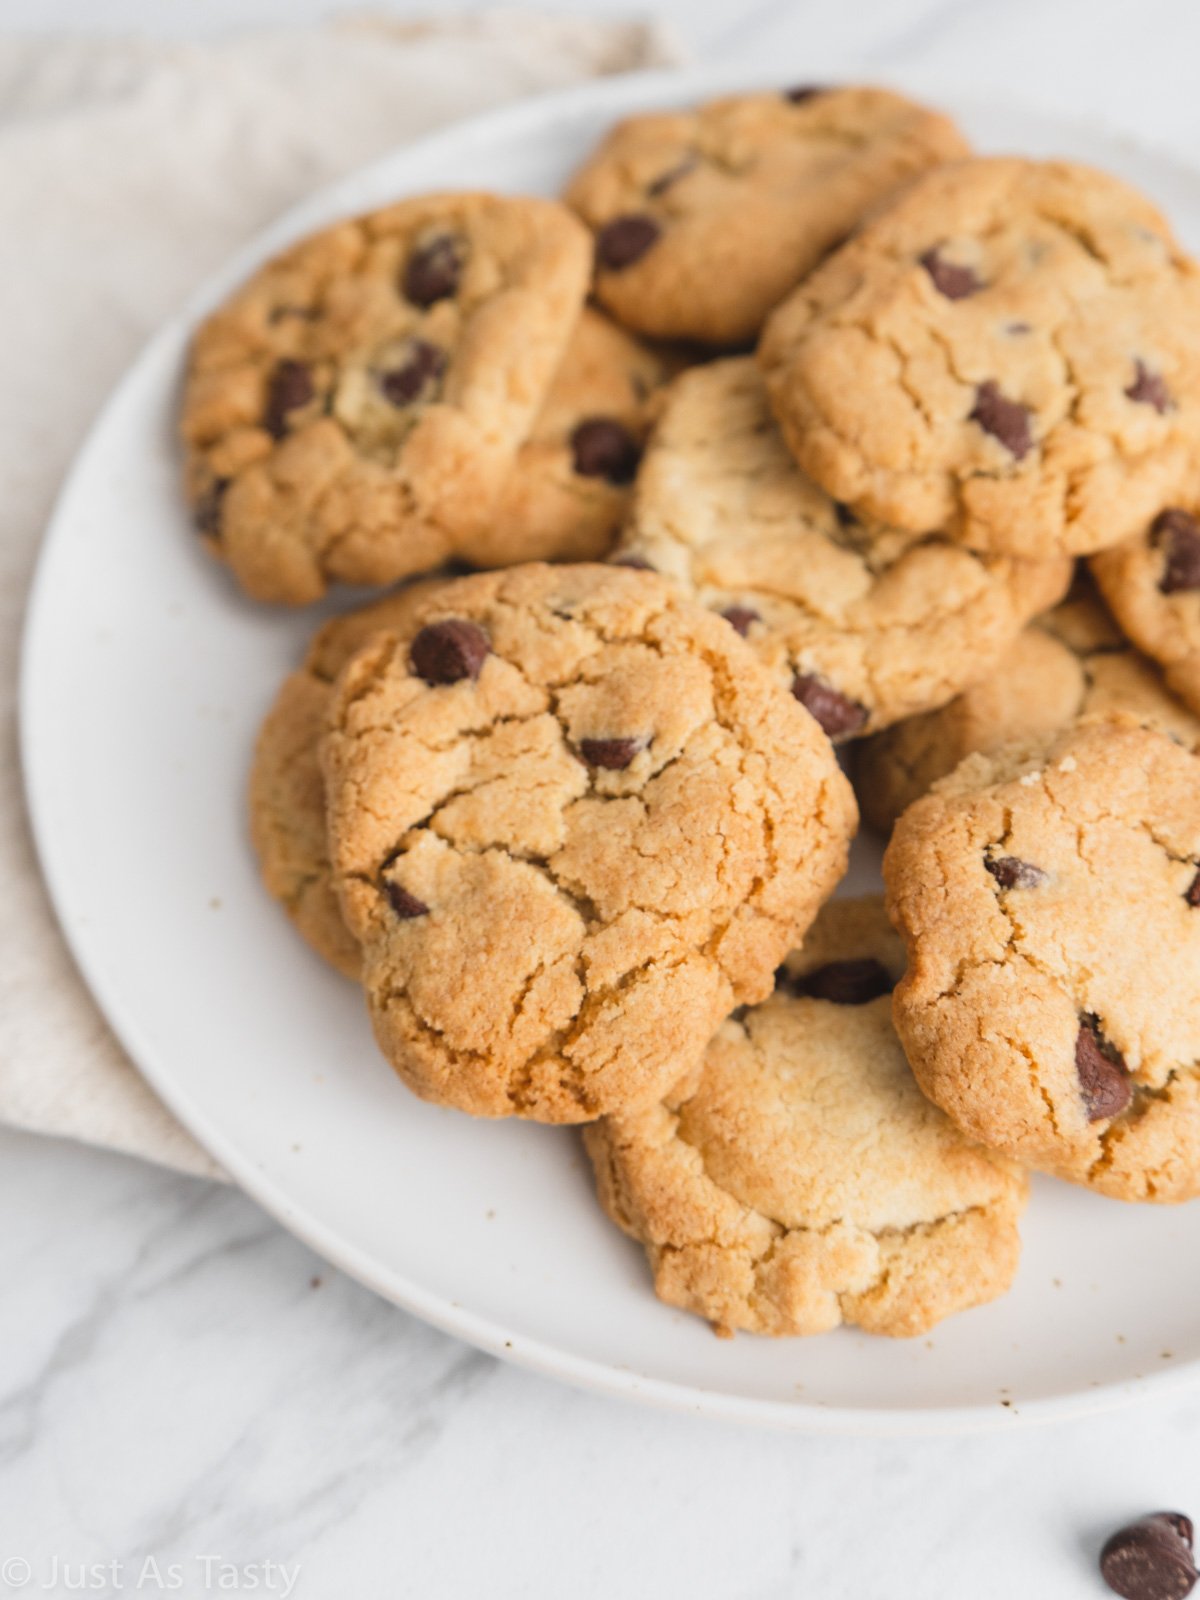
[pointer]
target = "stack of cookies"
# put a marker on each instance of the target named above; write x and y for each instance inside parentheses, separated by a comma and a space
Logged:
(785, 430)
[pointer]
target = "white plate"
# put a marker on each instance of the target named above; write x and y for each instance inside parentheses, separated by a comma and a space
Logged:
(145, 678)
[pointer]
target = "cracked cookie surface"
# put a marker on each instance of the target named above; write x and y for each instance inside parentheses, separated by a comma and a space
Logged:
(1050, 905)
(865, 624)
(1071, 663)
(1152, 584)
(705, 219)
(1009, 353)
(797, 1178)
(287, 787)
(573, 824)
(352, 412)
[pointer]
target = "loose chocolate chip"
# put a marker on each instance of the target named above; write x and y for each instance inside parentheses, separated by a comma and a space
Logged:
(803, 92)
(1149, 389)
(602, 448)
(433, 271)
(740, 618)
(405, 905)
(625, 240)
(1179, 534)
(447, 652)
(416, 375)
(672, 176)
(1006, 420)
(1193, 895)
(1103, 1077)
(949, 279)
(207, 511)
(612, 754)
(1151, 1559)
(638, 562)
(291, 387)
(846, 983)
(837, 713)
(1010, 872)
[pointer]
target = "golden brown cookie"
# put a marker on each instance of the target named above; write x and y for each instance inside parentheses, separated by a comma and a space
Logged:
(1050, 905)
(1152, 583)
(865, 624)
(797, 1178)
(573, 823)
(352, 412)
(1010, 353)
(704, 219)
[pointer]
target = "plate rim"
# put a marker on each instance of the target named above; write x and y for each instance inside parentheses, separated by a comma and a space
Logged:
(616, 94)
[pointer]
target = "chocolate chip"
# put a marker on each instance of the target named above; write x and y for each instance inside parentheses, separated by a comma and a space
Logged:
(1006, 420)
(803, 92)
(846, 983)
(740, 618)
(1179, 534)
(1103, 1076)
(1151, 1559)
(433, 271)
(949, 279)
(612, 754)
(837, 713)
(405, 905)
(416, 375)
(1193, 895)
(638, 562)
(1149, 389)
(447, 652)
(625, 240)
(291, 387)
(844, 515)
(672, 175)
(1010, 872)
(207, 511)
(602, 448)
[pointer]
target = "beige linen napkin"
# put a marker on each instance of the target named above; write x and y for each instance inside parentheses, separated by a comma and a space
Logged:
(129, 171)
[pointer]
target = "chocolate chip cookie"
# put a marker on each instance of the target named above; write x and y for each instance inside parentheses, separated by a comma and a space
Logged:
(1051, 910)
(287, 789)
(797, 1178)
(1010, 353)
(864, 623)
(573, 823)
(1152, 583)
(1073, 662)
(352, 412)
(705, 219)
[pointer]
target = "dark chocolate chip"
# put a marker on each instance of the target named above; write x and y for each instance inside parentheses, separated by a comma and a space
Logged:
(1178, 533)
(846, 983)
(433, 271)
(207, 511)
(291, 387)
(1103, 1077)
(844, 515)
(1151, 1559)
(837, 713)
(416, 376)
(638, 562)
(1193, 895)
(1010, 872)
(612, 754)
(405, 905)
(672, 175)
(447, 652)
(740, 618)
(1149, 389)
(949, 279)
(602, 448)
(625, 240)
(802, 92)
(1006, 420)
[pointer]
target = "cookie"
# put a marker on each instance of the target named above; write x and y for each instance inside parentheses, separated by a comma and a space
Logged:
(864, 623)
(1050, 906)
(1010, 353)
(287, 789)
(705, 219)
(352, 412)
(573, 823)
(567, 495)
(1152, 584)
(797, 1178)
(1072, 663)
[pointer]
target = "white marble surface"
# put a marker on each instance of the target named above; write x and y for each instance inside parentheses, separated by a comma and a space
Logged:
(181, 1380)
